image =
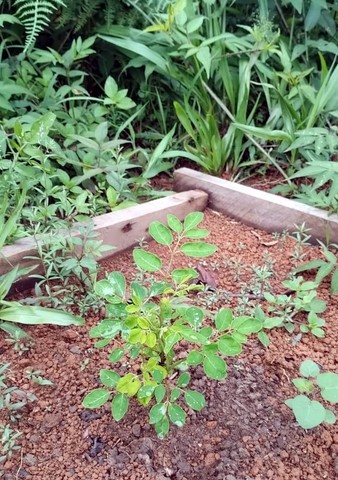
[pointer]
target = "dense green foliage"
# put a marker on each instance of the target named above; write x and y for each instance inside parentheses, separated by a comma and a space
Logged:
(96, 85)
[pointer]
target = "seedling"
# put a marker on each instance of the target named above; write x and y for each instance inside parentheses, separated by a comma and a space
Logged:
(287, 310)
(151, 323)
(324, 267)
(311, 413)
(35, 376)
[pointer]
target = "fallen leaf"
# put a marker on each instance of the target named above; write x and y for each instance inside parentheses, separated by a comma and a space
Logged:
(206, 276)
(269, 244)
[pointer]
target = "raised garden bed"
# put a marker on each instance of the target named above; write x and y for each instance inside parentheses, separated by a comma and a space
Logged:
(245, 432)
(120, 229)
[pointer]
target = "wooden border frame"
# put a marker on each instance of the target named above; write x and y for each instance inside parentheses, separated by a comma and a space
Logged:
(257, 208)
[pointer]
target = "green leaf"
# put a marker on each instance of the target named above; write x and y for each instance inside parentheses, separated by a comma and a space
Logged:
(273, 322)
(183, 380)
(151, 340)
(303, 385)
(157, 412)
(194, 400)
(110, 88)
(129, 384)
(334, 282)
(147, 261)
(41, 127)
(194, 358)
(328, 382)
(170, 341)
(106, 328)
(119, 406)
(207, 332)
(104, 289)
(318, 332)
(214, 367)
(204, 56)
(190, 334)
(177, 415)
(174, 223)
(28, 315)
(308, 413)
(223, 319)
(313, 15)
(160, 233)
(247, 325)
(175, 394)
(194, 316)
(228, 346)
(183, 275)
(96, 398)
(309, 266)
(309, 368)
(162, 427)
(159, 393)
(146, 391)
(116, 354)
(264, 339)
(109, 378)
(329, 417)
(196, 233)
(118, 282)
(198, 249)
(263, 133)
(138, 291)
(192, 220)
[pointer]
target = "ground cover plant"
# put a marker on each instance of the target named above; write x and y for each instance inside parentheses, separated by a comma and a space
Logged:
(310, 413)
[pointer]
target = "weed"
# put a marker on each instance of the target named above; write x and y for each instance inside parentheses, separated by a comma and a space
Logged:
(311, 413)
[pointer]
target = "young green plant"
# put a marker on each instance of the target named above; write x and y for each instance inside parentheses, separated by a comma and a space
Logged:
(311, 413)
(149, 324)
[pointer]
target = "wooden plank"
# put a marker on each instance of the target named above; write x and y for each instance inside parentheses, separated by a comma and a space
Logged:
(256, 208)
(121, 229)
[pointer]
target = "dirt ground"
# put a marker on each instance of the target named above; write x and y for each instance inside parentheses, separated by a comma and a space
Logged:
(245, 432)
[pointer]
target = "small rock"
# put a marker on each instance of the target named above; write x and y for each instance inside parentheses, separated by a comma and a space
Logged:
(29, 459)
(75, 349)
(73, 408)
(230, 477)
(209, 459)
(183, 466)
(122, 459)
(136, 430)
(146, 446)
(24, 474)
(8, 465)
(336, 464)
(144, 458)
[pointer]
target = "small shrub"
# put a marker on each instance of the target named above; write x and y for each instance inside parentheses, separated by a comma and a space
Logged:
(151, 323)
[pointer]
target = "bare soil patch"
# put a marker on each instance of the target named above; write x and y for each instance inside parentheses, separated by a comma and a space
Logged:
(245, 432)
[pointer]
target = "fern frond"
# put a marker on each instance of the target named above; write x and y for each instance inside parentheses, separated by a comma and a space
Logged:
(89, 8)
(35, 15)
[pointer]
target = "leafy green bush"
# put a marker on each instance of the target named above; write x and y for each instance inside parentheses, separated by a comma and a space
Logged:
(151, 324)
